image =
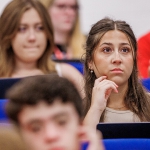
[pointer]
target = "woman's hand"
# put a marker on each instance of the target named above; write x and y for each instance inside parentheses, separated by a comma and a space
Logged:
(101, 92)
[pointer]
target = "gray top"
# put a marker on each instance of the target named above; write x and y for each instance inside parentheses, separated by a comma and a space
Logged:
(117, 116)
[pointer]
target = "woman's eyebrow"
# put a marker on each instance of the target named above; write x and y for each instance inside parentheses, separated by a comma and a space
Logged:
(105, 43)
(26, 23)
(124, 44)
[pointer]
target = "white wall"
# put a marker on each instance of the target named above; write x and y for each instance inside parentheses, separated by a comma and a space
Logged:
(135, 12)
(3, 3)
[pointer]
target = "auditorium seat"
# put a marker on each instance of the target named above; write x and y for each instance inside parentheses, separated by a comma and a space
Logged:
(127, 144)
(123, 144)
(74, 62)
(146, 83)
(3, 116)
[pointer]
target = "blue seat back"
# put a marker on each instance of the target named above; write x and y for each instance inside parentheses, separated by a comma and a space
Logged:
(77, 65)
(3, 116)
(123, 144)
(146, 83)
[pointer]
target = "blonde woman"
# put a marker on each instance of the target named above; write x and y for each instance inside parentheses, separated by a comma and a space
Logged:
(67, 35)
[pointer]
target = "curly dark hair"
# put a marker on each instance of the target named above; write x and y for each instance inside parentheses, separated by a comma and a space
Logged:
(48, 88)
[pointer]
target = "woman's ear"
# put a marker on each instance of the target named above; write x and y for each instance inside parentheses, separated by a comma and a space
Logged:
(90, 65)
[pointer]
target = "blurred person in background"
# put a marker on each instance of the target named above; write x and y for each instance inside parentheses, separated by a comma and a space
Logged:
(26, 43)
(68, 38)
(143, 56)
(48, 111)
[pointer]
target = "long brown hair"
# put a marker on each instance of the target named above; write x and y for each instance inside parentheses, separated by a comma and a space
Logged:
(136, 97)
(9, 24)
(77, 39)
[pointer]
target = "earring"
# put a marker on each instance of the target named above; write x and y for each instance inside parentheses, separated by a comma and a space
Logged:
(91, 71)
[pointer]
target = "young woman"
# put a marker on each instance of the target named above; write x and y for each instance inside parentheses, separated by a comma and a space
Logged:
(68, 38)
(113, 91)
(26, 43)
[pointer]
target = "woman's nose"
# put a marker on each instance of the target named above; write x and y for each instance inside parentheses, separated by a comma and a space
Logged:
(31, 35)
(116, 58)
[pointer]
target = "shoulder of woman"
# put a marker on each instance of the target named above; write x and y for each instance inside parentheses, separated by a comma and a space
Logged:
(72, 74)
(65, 67)
(68, 69)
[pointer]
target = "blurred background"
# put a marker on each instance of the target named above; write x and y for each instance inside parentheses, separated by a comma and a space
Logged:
(135, 12)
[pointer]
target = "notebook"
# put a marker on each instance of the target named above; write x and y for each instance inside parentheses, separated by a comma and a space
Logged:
(124, 130)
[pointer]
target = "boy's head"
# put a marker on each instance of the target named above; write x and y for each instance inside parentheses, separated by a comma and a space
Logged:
(48, 111)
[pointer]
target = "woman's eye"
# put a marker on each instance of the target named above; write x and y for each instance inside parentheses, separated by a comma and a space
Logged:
(125, 50)
(39, 28)
(107, 50)
(22, 29)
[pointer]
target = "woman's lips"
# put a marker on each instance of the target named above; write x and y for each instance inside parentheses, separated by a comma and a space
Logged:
(117, 70)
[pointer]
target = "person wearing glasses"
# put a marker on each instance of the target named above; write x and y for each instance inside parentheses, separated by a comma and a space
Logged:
(68, 38)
